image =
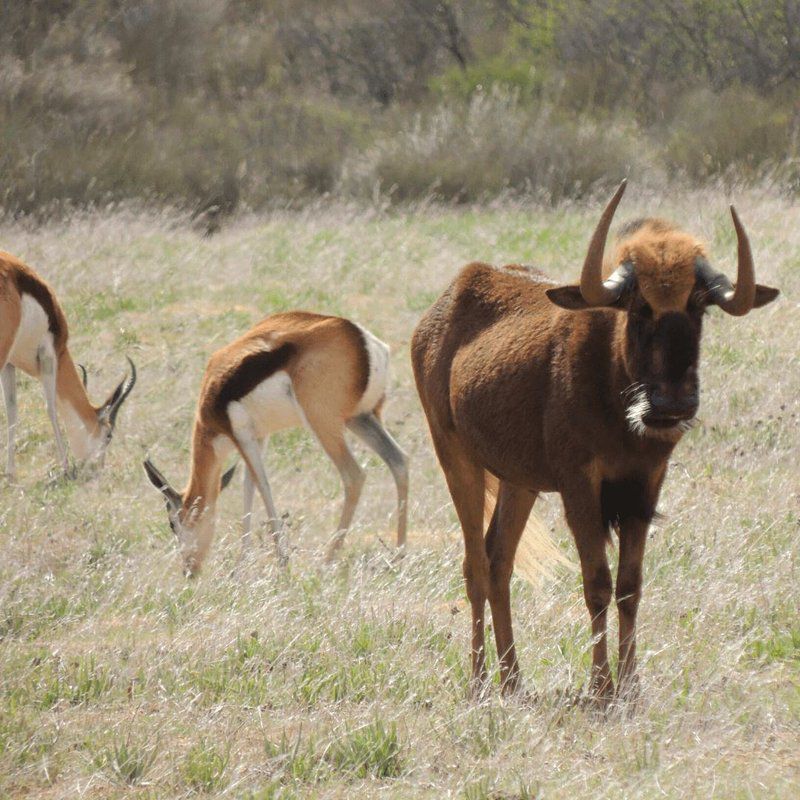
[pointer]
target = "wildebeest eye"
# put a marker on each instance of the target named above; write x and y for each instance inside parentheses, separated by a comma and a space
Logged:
(172, 526)
(695, 307)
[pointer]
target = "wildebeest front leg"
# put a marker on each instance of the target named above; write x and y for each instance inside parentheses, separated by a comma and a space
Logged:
(584, 518)
(632, 538)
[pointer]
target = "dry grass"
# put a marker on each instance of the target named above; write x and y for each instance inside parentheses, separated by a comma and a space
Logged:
(120, 678)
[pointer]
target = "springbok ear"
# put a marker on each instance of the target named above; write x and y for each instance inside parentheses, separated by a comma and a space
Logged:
(227, 478)
(764, 295)
(160, 482)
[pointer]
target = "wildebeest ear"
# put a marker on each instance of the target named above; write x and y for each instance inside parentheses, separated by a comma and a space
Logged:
(567, 297)
(764, 295)
(570, 297)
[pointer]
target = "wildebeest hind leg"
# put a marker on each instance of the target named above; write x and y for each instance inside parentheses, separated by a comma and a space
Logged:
(508, 522)
(466, 482)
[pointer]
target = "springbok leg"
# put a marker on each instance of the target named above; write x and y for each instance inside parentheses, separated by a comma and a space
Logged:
(369, 429)
(251, 453)
(8, 378)
(47, 364)
(352, 478)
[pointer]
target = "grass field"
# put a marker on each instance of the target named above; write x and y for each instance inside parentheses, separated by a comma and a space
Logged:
(120, 678)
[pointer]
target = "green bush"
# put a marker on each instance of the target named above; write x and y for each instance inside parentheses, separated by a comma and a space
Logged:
(498, 72)
(736, 129)
(75, 134)
(496, 144)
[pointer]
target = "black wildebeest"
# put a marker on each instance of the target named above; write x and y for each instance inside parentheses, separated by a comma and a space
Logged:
(582, 390)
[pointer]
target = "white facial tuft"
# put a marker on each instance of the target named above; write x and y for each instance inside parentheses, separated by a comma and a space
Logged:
(638, 409)
(636, 412)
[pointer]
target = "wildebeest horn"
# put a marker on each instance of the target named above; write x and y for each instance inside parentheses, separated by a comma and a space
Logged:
(121, 393)
(736, 301)
(596, 291)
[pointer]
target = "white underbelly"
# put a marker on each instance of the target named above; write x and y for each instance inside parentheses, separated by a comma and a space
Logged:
(33, 332)
(271, 406)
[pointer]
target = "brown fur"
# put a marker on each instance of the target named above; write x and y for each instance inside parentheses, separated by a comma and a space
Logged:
(16, 280)
(664, 263)
(535, 394)
(313, 338)
(327, 360)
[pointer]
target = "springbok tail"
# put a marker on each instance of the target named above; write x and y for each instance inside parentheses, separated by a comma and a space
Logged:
(537, 556)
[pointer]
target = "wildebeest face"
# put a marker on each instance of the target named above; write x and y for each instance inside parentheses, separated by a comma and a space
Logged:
(662, 355)
(662, 278)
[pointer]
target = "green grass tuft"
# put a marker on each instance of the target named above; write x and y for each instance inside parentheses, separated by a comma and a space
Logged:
(371, 751)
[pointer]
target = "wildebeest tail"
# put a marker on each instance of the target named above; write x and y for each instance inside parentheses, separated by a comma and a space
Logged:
(537, 556)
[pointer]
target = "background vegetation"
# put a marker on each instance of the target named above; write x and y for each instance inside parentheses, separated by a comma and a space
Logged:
(264, 102)
(121, 118)
(118, 678)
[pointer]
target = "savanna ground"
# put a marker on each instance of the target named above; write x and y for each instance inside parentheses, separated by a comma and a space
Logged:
(118, 677)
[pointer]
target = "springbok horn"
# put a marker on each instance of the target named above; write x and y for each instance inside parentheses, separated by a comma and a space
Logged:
(161, 483)
(84, 376)
(735, 301)
(595, 291)
(121, 393)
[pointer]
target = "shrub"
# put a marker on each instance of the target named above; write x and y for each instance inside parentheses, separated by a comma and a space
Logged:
(712, 133)
(496, 144)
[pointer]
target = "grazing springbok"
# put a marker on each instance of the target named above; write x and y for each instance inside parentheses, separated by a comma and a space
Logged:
(33, 338)
(581, 390)
(292, 369)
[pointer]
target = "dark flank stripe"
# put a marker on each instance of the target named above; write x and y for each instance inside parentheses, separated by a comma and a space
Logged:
(251, 370)
(27, 284)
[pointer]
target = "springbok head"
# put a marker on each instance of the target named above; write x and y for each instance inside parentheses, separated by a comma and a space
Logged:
(191, 518)
(663, 280)
(107, 414)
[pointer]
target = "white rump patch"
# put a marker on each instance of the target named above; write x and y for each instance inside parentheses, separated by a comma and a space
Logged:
(378, 354)
(32, 333)
(270, 406)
